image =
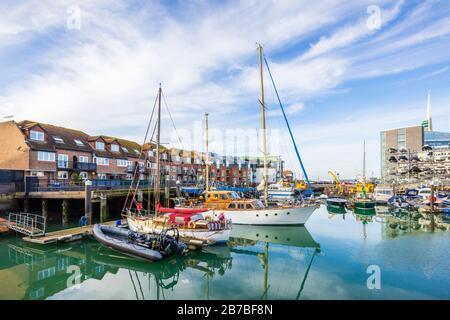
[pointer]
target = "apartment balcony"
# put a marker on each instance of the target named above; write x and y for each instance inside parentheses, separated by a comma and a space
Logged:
(85, 166)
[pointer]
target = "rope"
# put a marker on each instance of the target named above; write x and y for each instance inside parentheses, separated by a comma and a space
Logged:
(140, 155)
(171, 119)
(289, 127)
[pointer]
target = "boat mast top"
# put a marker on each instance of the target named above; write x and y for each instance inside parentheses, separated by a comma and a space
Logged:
(158, 142)
(263, 125)
(207, 153)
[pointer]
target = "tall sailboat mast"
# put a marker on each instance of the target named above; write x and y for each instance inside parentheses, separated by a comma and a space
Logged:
(158, 142)
(364, 162)
(263, 125)
(207, 153)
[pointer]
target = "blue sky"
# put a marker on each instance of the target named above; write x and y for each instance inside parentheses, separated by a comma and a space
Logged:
(344, 72)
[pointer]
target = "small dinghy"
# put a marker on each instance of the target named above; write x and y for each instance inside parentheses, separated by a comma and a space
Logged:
(146, 246)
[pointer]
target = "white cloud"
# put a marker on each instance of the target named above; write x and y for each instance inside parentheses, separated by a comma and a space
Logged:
(104, 77)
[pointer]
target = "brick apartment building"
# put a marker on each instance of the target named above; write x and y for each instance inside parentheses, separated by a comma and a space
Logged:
(57, 153)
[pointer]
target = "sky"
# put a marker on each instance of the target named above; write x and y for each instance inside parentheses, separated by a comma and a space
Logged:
(345, 70)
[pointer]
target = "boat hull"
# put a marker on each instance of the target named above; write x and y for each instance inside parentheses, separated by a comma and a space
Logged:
(275, 216)
(336, 202)
(147, 226)
(364, 204)
(117, 239)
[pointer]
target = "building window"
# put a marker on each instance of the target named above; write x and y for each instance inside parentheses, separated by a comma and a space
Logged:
(58, 139)
(83, 159)
(63, 161)
(115, 148)
(124, 149)
(102, 161)
(63, 175)
(401, 138)
(46, 156)
(36, 135)
(102, 176)
(129, 176)
(122, 163)
(79, 142)
(99, 145)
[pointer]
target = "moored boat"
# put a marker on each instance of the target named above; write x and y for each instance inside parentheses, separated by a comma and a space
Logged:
(145, 246)
(253, 211)
(192, 224)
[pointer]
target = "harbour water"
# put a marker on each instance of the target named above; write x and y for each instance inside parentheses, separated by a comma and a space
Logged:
(333, 257)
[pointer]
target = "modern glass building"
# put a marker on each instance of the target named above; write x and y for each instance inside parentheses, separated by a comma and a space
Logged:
(437, 139)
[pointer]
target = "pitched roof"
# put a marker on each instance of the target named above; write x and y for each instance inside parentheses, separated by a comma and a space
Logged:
(67, 135)
(127, 148)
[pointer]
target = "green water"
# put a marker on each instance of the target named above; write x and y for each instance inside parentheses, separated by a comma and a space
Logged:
(327, 259)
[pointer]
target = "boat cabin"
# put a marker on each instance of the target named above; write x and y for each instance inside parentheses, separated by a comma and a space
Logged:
(230, 200)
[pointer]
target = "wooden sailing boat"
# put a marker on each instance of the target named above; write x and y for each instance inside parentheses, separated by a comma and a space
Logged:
(193, 226)
(253, 211)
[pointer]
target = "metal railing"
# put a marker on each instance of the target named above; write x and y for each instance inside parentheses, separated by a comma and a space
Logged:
(27, 223)
(100, 184)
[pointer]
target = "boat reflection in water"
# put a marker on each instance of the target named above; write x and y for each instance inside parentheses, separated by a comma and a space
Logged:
(364, 216)
(30, 273)
(244, 239)
(334, 211)
(219, 272)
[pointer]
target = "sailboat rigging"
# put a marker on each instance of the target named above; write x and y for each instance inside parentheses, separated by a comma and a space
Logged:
(194, 226)
(253, 211)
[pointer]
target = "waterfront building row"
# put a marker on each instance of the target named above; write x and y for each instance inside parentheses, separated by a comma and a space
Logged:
(56, 153)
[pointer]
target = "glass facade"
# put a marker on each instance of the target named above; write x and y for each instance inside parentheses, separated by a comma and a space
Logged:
(437, 139)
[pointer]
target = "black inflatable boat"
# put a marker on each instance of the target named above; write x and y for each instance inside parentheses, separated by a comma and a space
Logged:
(146, 246)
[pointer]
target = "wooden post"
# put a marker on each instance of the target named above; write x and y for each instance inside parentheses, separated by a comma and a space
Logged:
(103, 208)
(167, 195)
(26, 205)
(45, 209)
(88, 201)
(140, 196)
(65, 212)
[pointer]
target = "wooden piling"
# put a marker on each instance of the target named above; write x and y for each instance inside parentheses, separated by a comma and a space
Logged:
(26, 206)
(88, 201)
(45, 209)
(65, 212)
(103, 208)
(167, 196)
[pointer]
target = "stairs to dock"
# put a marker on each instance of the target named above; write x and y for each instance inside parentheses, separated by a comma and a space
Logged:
(32, 225)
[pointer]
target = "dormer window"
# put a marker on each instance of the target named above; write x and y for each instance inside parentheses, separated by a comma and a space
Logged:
(58, 139)
(124, 149)
(115, 148)
(36, 135)
(136, 151)
(99, 145)
(79, 142)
